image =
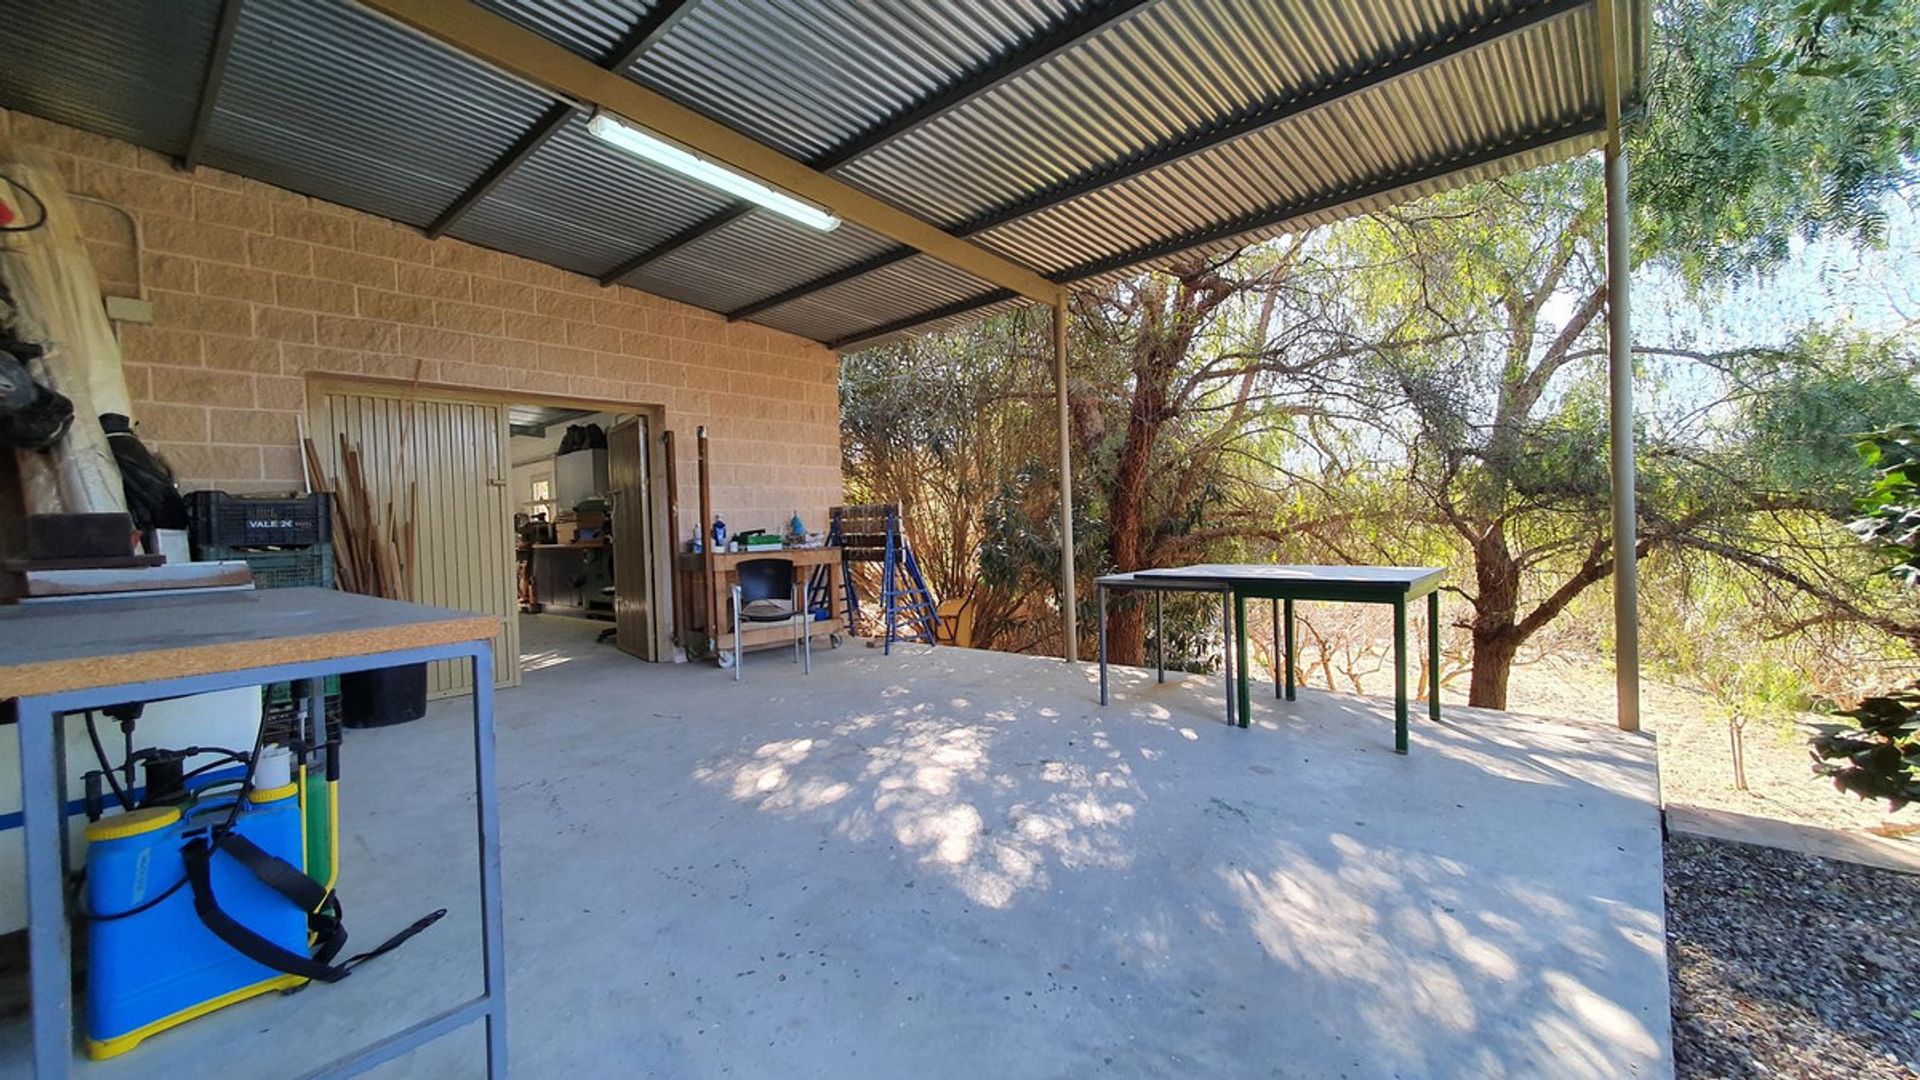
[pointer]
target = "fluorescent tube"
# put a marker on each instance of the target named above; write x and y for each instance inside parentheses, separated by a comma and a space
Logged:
(618, 133)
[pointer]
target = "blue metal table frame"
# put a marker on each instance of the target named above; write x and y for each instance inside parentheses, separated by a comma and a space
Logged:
(1133, 582)
(1394, 586)
(43, 773)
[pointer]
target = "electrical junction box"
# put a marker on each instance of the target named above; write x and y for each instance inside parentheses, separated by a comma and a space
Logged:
(129, 309)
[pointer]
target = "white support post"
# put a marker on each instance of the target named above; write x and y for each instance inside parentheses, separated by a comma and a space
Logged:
(1068, 598)
(1626, 571)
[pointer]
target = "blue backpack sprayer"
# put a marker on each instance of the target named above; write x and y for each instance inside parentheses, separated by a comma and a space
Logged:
(208, 888)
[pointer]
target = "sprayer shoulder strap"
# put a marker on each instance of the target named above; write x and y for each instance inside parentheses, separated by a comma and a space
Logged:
(321, 905)
(198, 854)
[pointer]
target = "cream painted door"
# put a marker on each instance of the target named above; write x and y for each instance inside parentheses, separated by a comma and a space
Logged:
(450, 459)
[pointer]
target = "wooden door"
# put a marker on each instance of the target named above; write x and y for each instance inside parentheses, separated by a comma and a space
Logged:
(450, 457)
(636, 594)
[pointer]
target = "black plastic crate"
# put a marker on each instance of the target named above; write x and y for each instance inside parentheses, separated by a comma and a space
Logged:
(223, 520)
(280, 568)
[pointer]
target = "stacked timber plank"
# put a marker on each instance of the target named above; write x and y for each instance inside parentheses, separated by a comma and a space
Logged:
(374, 546)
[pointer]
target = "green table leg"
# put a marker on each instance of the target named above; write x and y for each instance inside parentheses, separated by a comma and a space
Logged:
(1433, 656)
(1399, 676)
(1240, 653)
(1288, 615)
(1277, 662)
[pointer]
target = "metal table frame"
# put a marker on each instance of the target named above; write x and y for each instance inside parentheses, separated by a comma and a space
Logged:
(1132, 582)
(44, 814)
(1284, 591)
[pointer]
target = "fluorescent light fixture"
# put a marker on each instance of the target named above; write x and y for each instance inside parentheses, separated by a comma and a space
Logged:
(617, 133)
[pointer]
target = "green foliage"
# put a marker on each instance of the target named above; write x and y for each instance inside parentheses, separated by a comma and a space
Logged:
(1880, 757)
(938, 425)
(1890, 511)
(1771, 119)
(1794, 424)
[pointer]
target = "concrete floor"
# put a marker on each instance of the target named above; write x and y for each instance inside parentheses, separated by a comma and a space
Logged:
(954, 863)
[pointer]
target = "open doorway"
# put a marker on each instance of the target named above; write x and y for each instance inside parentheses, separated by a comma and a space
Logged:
(476, 467)
(585, 524)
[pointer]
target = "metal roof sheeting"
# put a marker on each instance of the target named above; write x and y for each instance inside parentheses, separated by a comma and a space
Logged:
(579, 204)
(590, 28)
(891, 293)
(1378, 133)
(126, 68)
(325, 99)
(1180, 66)
(729, 266)
(804, 75)
(1079, 137)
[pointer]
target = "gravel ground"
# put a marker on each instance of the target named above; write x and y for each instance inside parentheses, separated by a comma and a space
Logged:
(1790, 965)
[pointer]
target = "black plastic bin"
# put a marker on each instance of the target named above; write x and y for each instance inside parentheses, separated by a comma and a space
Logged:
(383, 696)
(221, 520)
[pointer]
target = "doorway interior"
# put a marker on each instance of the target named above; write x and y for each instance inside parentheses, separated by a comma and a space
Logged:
(468, 463)
(585, 525)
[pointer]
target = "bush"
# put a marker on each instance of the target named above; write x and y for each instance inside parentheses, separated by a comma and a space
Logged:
(1879, 758)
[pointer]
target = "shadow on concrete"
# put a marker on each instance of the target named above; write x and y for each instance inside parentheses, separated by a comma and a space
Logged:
(1489, 905)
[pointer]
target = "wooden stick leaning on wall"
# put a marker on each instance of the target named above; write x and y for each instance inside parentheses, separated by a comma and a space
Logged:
(345, 569)
(373, 551)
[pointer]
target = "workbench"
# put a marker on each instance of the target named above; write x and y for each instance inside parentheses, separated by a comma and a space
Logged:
(1395, 586)
(557, 566)
(72, 656)
(690, 570)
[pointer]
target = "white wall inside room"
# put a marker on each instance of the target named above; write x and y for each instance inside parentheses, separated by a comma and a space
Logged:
(531, 459)
(228, 718)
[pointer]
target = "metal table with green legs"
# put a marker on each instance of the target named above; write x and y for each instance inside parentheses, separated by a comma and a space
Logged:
(1396, 586)
(1124, 583)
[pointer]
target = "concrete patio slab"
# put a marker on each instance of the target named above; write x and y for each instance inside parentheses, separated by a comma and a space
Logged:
(955, 863)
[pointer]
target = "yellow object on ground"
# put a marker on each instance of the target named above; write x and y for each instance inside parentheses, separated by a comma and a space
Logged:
(956, 623)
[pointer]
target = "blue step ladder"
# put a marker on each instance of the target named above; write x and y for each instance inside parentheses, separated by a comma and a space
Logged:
(872, 534)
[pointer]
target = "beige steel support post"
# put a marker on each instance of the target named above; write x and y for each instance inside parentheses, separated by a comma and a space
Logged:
(1626, 571)
(1068, 599)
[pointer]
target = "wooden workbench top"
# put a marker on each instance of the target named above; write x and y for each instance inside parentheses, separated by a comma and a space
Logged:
(81, 644)
(813, 556)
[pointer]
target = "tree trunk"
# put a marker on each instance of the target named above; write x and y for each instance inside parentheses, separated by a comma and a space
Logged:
(1126, 620)
(1496, 603)
(1493, 654)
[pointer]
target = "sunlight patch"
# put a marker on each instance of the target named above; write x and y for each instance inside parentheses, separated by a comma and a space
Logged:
(1599, 1015)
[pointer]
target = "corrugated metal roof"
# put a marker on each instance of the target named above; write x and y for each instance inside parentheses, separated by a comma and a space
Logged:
(126, 68)
(581, 205)
(1180, 67)
(589, 27)
(325, 99)
(1381, 132)
(730, 266)
(804, 75)
(892, 292)
(1077, 148)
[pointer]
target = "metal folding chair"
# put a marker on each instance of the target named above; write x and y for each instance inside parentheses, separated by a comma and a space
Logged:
(755, 582)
